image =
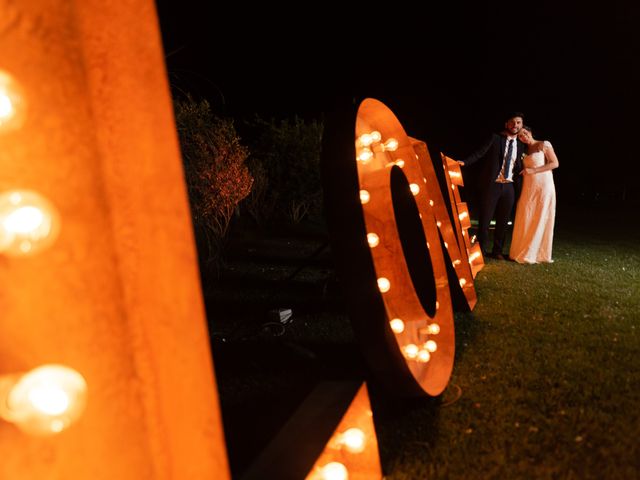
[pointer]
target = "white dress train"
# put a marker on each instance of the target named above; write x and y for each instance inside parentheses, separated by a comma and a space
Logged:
(532, 237)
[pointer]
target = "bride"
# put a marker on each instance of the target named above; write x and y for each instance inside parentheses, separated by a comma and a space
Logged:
(536, 210)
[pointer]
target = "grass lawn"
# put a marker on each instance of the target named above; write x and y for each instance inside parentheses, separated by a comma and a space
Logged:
(546, 382)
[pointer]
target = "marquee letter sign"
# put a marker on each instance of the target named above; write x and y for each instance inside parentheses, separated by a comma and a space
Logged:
(103, 339)
(96, 332)
(396, 247)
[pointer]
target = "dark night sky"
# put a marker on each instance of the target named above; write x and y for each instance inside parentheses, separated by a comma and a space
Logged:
(449, 75)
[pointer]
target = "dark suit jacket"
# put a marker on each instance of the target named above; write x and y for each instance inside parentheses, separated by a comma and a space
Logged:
(492, 154)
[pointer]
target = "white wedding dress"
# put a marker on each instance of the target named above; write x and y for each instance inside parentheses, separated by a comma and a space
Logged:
(535, 214)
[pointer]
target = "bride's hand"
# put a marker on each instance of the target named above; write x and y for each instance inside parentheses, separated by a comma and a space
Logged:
(529, 171)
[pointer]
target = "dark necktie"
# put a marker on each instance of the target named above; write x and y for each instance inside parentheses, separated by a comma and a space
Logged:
(507, 160)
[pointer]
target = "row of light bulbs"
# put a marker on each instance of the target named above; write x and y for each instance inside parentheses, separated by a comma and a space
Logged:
(49, 398)
(373, 238)
(364, 154)
(352, 440)
(369, 144)
(363, 142)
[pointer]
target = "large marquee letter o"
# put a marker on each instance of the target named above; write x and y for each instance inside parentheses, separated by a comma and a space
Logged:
(409, 345)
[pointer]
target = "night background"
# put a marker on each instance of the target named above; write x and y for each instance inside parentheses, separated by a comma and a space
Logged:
(450, 75)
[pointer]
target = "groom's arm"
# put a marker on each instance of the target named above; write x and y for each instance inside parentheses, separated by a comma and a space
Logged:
(479, 153)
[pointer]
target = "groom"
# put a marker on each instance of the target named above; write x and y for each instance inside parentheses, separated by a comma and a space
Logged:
(501, 159)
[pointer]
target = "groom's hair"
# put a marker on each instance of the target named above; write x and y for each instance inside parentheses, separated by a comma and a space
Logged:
(514, 115)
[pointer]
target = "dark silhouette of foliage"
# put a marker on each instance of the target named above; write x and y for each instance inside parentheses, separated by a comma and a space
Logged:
(285, 163)
(215, 170)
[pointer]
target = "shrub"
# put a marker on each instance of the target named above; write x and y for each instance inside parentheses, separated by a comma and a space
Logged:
(285, 163)
(216, 175)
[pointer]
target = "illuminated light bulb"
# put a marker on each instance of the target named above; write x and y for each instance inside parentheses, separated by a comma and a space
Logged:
(446, 245)
(365, 139)
(373, 239)
(6, 106)
(428, 245)
(473, 239)
(23, 220)
(456, 262)
(49, 399)
(509, 222)
(45, 400)
(397, 325)
(354, 440)
(420, 215)
(431, 203)
(434, 329)
(463, 215)
(424, 356)
(28, 222)
(463, 282)
(424, 179)
(364, 197)
(453, 187)
(439, 224)
(365, 155)
(399, 163)
(431, 346)
(454, 174)
(473, 256)
(375, 136)
(464, 233)
(334, 471)
(391, 145)
(12, 103)
(415, 189)
(410, 350)
(384, 284)
(437, 305)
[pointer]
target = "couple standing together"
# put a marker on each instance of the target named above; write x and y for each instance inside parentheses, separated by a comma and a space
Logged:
(513, 162)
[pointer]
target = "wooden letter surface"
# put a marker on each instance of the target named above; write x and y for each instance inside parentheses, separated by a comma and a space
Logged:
(392, 238)
(116, 296)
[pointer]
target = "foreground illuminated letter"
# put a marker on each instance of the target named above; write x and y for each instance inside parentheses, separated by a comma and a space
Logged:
(103, 340)
(392, 238)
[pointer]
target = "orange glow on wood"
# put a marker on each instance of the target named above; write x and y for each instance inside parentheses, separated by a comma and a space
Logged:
(406, 331)
(116, 296)
(471, 252)
(451, 231)
(400, 298)
(361, 465)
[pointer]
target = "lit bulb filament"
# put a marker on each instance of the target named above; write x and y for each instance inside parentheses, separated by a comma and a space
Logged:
(6, 106)
(391, 145)
(397, 325)
(353, 440)
(473, 256)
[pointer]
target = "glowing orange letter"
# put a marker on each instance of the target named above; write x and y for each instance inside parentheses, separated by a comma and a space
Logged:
(387, 217)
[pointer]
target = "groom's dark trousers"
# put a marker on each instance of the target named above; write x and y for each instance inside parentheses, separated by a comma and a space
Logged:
(496, 199)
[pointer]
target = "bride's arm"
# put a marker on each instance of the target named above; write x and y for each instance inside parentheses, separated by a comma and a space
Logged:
(550, 160)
